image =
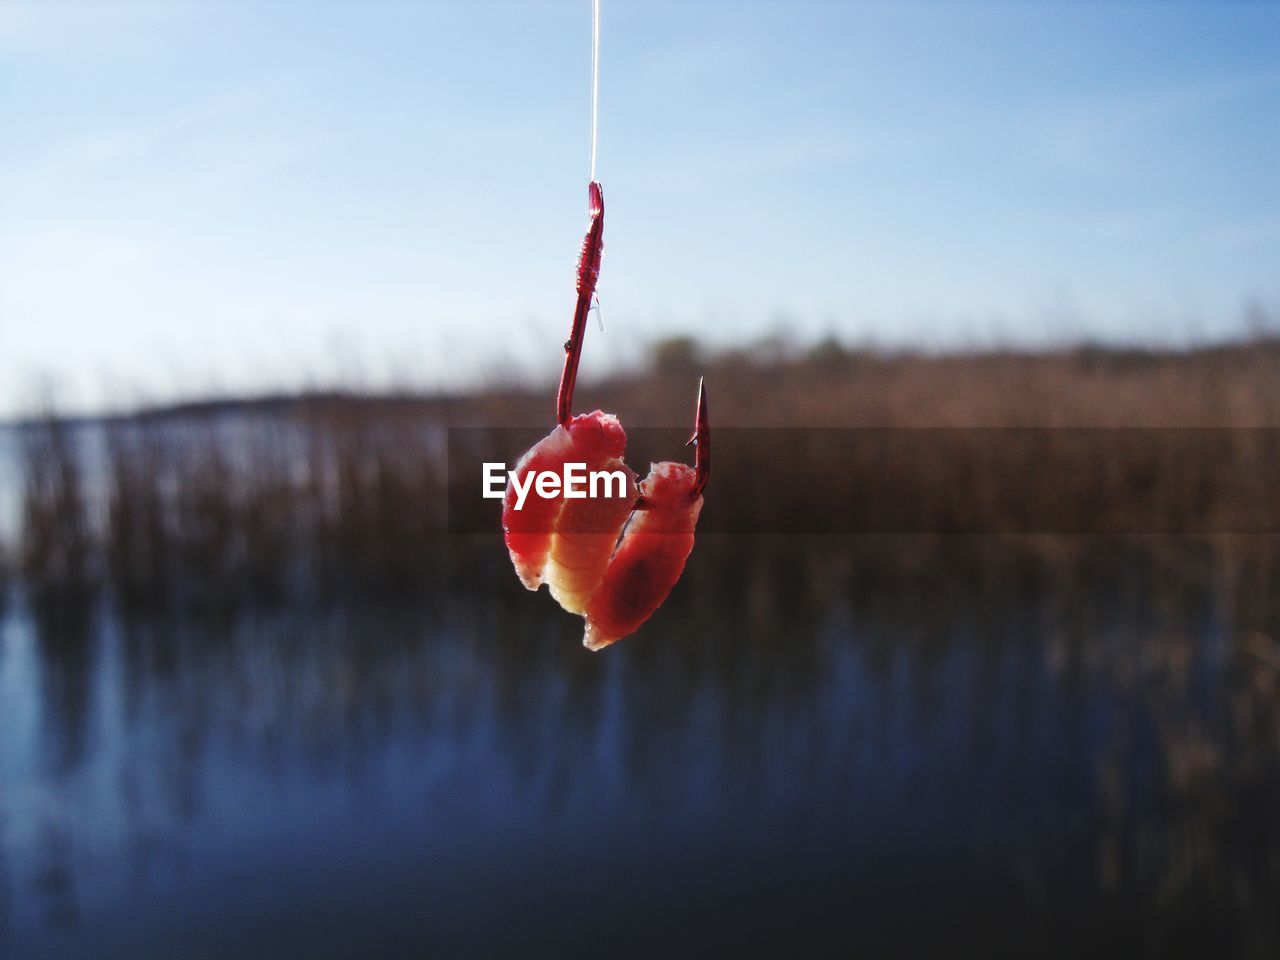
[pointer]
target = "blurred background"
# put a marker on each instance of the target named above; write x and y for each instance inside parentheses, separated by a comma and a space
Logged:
(263, 690)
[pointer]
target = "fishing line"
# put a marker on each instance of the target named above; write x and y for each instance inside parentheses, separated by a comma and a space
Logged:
(595, 79)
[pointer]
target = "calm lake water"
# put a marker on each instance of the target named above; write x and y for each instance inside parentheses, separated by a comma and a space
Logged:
(1048, 769)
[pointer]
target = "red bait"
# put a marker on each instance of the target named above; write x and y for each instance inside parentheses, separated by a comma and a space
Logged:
(613, 559)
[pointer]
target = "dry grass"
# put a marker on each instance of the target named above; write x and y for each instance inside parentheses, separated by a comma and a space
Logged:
(1091, 386)
(329, 497)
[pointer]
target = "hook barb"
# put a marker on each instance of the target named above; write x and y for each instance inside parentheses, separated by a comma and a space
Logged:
(701, 441)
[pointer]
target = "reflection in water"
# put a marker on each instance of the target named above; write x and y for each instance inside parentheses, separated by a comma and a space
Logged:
(64, 635)
(980, 751)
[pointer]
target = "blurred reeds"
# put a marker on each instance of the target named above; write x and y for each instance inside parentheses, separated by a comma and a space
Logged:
(57, 543)
(210, 510)
(331, 497)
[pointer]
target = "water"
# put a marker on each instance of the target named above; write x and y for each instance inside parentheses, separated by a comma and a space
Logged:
(1049, 769)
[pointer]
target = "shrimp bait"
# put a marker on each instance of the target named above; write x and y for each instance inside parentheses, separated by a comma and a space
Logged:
(655, 544)
(612, 559)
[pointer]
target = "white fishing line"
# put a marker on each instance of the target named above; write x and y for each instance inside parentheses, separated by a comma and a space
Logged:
(595, 80)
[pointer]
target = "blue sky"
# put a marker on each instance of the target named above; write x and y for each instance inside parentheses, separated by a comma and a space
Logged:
(200, 196)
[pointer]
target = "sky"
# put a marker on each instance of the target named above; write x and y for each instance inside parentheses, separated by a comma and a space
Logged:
(201, 197)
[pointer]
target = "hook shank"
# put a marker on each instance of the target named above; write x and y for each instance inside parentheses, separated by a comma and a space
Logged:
(588, 276)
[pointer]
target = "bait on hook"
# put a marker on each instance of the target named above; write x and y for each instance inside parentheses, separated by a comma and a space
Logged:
(613, 560)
